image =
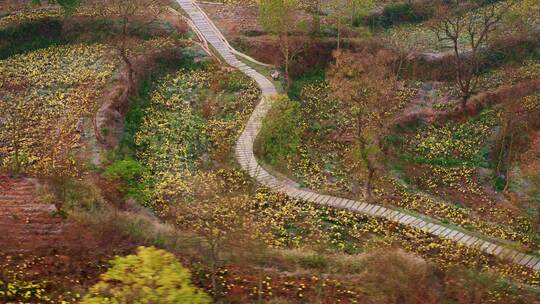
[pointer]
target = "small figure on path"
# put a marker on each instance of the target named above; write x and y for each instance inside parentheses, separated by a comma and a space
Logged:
(275, 75)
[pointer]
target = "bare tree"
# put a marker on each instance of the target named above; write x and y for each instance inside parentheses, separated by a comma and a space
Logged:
(468, 28)
(18, 118)
(130, 18)
(529, 162)
(344, 12)
(511, 125)
(279, 18)
(404, 46)
(315, 8)
(133, 16)
(222, 223)
(365, 82)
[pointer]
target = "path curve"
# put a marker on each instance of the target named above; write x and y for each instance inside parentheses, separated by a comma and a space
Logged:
(246, 157)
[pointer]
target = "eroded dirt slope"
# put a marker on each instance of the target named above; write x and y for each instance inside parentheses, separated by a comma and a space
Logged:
(25, 223)
(64, 256)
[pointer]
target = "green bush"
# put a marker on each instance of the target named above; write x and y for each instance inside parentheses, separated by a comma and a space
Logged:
(71, 195)
(234, 83)
(511, 49)
(309, 77)
(313, 261)
(499, 183)
(150, 276)
(29, 37)
(280, 133)
(136, 112)
(399, 13)
(128, 174)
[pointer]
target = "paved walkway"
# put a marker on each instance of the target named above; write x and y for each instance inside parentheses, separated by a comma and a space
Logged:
(246, 158)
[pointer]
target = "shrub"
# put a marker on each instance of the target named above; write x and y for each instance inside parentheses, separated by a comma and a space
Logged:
(150, 276)
(511, 48)
(128, 174)
(469, 285)
(400, 13)
(392, 276)
(29, 37)
(280, 133)
(71, 195)
(313, 261)
(309, 77)
(499, 183)
(234, 83)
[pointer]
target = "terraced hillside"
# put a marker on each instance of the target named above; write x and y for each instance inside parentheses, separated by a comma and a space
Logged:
(354, 169)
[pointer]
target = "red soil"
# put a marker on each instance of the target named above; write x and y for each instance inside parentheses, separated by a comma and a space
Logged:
(37, 246)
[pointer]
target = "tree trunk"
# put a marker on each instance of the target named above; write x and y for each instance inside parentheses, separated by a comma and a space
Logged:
(16, 148)
(129, 65)
(353, 11)
(316, 22)
(501, 146)
(339, 34)
(508, 162)
(97, 132)
(369, 179)
(359, 126)
(214, 280)
(400, 66)
(259, 289)
(534, 228)
(286, 59)
(464, 100)
(213, 269)
(320, 288)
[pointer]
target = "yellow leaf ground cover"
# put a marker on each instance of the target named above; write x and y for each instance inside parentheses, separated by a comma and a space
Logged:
(192, 121)
(445, 159)
(46, 94)
(30, 15)
(188, 169)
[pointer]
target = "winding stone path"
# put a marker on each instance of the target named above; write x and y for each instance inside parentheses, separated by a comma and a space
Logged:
(246, 158)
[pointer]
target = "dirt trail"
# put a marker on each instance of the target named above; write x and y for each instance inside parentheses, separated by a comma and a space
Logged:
(25, 223)
(36, 246)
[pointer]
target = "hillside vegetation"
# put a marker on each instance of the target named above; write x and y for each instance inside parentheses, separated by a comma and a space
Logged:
(122, 170)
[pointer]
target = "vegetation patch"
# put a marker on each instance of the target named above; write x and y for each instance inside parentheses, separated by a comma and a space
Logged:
(280, 134)
(174, 182)
(46, 95)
